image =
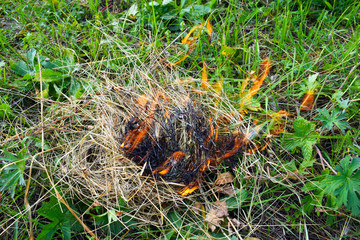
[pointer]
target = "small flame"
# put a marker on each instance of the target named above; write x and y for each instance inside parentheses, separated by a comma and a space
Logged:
(165, 167)
(238, 143)
(189, 189)
(142, 101)
(308, 101)
(133, 139)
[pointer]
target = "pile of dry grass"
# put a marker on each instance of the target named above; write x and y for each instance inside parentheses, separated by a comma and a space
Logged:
(92, 164)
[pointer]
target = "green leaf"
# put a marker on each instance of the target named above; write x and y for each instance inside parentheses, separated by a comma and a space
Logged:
(235, 202)
(21, 68)
(61, 218)
(12, 175)
(5, 111)
(30, 56)
(335, 118)
(48, 231)
(304, 137)
(196, 10)
(345, 186)
(48, 75)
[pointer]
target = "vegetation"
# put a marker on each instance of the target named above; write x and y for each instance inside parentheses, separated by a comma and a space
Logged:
(285, 74)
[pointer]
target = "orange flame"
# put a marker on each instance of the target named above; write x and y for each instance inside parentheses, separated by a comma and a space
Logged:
(189, 189)
(142, 101)
(308, 101)
(264, 71)
(204, 78)
(133, 139)
(165, 167)
(207, 141)
(238, 143)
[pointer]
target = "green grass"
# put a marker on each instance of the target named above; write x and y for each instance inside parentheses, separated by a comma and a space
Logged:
(62, 64)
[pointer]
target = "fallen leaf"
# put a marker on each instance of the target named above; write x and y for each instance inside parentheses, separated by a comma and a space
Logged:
(197, 208)
(216, 215)
(224, 178)
(226, 189)
(233, 223)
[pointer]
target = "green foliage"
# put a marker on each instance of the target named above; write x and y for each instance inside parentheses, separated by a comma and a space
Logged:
(60, 217)
(336, 118)
(57, 76)
(304, 137)
(237, 200)
(12, 174)
(117, 220)
(291, 33)
(314, 192)
(310, 84)
(5, 109)
(345, 186)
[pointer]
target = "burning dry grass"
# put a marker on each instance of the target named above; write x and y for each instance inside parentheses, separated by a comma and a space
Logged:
(146, 146)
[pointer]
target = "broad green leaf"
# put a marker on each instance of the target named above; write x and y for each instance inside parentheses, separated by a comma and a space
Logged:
(304, 137)
(235, 202)
(336, 118)
(48, 231)
(345, 186)
(310, 84)
(12, 175)
(61, 218)
(48, 75)
(30, 56)
(5, 111)
(21, 68)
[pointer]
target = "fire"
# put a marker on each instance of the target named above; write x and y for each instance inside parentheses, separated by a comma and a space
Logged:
(165, 167)
(308, 101)
(196, 140)
(189, 189)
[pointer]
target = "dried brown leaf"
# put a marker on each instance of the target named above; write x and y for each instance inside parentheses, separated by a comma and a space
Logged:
(224, 178)
(226, 189)
(216, 215)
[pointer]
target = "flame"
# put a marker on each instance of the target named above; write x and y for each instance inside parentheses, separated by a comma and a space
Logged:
(142, 101)
(210, 29)
(189, 189)
(206, 164)
(204, 78)
(165, 167)
(308, 101)
(136, 136)
(133, 139)
(239, 142)
(191, 39)
(207, 141)
(264, 69)
(257, 148)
